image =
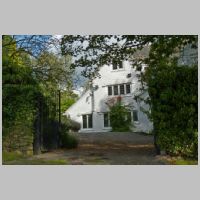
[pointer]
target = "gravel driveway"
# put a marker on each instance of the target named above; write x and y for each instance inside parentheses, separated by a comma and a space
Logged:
(109, 148)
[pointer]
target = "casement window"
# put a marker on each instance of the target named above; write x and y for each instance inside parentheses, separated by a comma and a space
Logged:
(87, 121)
(109, 90)
(128, 88)
(114, 65)
(135, 115)
(116, 90)
(117, 65)
(106, 120)
(119, 89)
(120, 65)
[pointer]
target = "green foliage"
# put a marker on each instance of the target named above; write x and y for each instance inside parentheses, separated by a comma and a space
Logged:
(11, 156)
(69, 141)
(17, 158)
(119, 118)
(18, 100)
(69, 124)
(67, 99)
(173, 92)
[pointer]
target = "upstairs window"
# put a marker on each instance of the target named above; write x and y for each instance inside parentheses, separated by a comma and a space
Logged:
(117, 65)
(116, 90)
(121, 87)
(109, 90)
(120, 65)
(114, 65)
(128, 88)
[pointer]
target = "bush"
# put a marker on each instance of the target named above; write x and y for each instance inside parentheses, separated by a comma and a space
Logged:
(69, 124)
(119, 118)
(69, 141)
(174, 95)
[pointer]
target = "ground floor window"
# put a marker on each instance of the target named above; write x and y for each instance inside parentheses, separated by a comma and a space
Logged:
(135, 115)
(87, 121)
(106, 120)
(132, 116)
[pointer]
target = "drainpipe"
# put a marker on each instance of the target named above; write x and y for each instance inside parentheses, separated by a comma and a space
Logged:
(92, 97)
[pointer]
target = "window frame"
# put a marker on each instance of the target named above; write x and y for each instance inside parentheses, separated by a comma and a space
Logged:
(121, 88)
(108, 120)
(115, 87)
(136, 112)
(117, 65)
(111, 87)
(89, 121)
(128, 84)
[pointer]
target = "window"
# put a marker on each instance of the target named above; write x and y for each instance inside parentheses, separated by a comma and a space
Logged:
(114, 65)
(117, 65)
(87, 121)
(106, 120)
(121, 89)
(128, 88)
(84, 121)
(115, 89)
(135, 115)
(120, 65)
(109, 90)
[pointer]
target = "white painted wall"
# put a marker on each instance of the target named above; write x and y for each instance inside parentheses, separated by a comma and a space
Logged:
(109, 77)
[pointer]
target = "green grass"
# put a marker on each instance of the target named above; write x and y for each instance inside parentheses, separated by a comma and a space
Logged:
(11, 156)
(186, 162)
(14, 158)
(94, 161)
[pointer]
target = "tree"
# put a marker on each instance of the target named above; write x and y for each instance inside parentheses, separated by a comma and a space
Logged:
(32, 76)
(91, 51)
(19, 99)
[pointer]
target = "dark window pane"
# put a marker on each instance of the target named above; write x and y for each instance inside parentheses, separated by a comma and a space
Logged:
(135, 115)
(115, 89)
(109, 90)
(114, 65)
(128, 89)
(120, 65)
(105, 119)
(84, 121)
(121, 89)
(89, 121)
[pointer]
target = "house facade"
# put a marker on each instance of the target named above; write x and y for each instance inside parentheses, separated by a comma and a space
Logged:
(116, 81)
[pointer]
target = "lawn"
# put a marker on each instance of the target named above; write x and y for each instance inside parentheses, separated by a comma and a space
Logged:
(14, 158)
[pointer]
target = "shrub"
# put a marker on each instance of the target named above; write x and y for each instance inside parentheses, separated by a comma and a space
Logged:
(119, 118)
(174, 95)
(69, 141)
(69, 124)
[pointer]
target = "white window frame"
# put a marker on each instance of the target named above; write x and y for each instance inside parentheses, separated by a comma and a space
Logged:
(87, 121)
(118, 68)
(108, 120)
(118, 88)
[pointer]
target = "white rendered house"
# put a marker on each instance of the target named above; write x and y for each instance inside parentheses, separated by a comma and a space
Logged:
(92, 109)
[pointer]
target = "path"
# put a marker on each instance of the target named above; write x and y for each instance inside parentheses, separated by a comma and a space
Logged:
(109, 148)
